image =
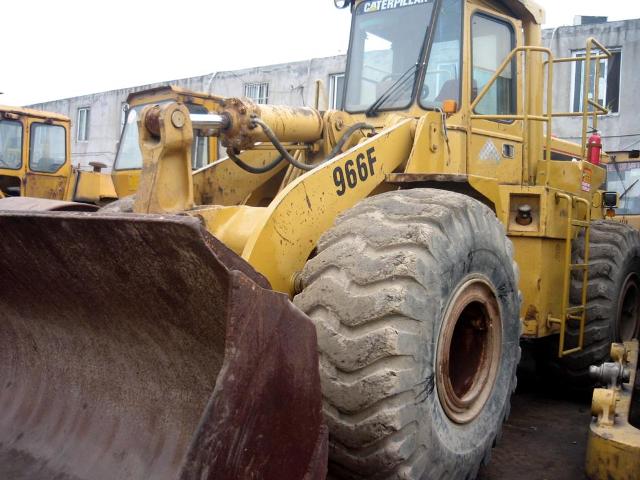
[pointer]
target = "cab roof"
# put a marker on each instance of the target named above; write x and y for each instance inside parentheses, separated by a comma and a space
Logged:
(165, 90)
(30, 112)
(526, 10)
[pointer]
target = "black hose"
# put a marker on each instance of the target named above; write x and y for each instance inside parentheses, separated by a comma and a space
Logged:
(347, 135)
(276, 143)
(285, 155)
(248, 168)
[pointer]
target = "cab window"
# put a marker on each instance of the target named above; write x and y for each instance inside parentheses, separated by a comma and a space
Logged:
(384, 55)
(442, 79)
(624, 178)
(492, 42)
(10, 144)
(129, 156)
(48, 148)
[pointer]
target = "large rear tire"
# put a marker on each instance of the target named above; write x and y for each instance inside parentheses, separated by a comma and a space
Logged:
(414, 295)
(613, 300)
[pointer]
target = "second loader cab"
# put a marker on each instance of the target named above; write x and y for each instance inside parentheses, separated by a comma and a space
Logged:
(34, 153)
(128, 161)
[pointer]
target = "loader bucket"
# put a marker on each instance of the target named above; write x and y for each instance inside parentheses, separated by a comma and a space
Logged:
(140, 347)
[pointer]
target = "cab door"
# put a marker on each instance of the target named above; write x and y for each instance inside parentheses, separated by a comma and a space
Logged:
(496, 144)
(49, 165)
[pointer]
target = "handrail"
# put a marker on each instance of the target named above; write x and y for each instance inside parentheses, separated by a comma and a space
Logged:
(586, 101)
(526, 117)
(549, 114)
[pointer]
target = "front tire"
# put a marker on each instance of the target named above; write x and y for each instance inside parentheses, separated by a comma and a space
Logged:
(414, 295)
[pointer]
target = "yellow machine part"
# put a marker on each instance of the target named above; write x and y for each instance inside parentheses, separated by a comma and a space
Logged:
(127, 180)
(613, 450)
(91, 187)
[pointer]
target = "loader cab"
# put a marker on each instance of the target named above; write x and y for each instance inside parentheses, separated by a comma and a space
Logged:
(433, 57)
(407, 55)
(34, 153)
(128, 161)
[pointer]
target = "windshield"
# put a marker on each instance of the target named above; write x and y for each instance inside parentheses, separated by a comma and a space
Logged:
(10, 144)
(625, 177)
(129, 156)
(387, 39)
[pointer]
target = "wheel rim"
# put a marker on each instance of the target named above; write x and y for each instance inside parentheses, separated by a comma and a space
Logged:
(468, 350)
(629, 308)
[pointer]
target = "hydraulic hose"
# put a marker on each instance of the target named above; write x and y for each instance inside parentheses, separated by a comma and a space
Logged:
(248, 168)
(280, 148)
(285, 155)
(347, 135)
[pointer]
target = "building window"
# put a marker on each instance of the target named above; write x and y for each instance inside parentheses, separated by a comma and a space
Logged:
(258, 92)
(608, 83)
(336, 89)
(82, 132)
(492, 41)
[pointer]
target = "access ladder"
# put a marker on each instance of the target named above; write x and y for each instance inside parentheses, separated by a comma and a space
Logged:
(577, 312)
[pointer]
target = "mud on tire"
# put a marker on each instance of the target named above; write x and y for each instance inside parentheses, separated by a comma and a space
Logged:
(384, 279)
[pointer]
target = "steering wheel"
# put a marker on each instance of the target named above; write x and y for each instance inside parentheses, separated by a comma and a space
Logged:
(4, 163)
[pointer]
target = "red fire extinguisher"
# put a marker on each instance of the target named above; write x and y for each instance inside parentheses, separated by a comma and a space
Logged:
(594, 148)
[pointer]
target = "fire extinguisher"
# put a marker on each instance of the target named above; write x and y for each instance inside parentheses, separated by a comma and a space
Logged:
(594, 148)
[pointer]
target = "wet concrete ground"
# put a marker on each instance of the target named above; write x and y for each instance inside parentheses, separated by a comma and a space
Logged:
(545, 437)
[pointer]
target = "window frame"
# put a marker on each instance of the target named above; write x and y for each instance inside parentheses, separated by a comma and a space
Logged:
(115, 167)
(85, 138)
(335, 102)
(582, 52)
(31, 136)
(21, 164)
(514, 62)
(124, 111)
(259, 85)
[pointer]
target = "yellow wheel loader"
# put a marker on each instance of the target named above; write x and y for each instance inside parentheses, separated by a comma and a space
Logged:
(424, 229)
(35, 162)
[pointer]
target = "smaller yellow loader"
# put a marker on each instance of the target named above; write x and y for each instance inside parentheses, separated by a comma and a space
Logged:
(35, 163)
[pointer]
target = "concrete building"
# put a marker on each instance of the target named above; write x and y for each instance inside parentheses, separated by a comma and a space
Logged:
(618, 86)
(97, 119)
